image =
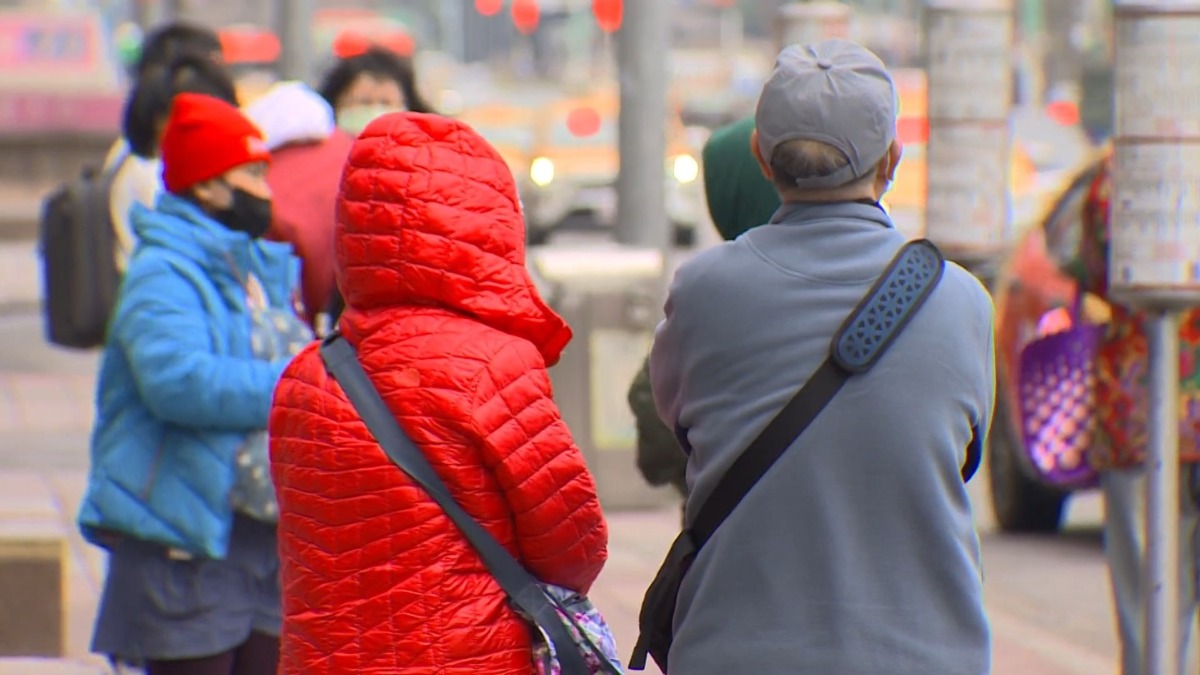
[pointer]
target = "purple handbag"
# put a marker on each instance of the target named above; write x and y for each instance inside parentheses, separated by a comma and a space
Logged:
(1057, 391)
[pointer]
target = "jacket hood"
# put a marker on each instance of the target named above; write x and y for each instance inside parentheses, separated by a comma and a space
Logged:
(428, 215)
(739, 195)
(180, 226)
(291, 112)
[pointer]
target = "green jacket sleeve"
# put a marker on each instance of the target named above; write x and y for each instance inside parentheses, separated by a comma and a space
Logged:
(659, 456)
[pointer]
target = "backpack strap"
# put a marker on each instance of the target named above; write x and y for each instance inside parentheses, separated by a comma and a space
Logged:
(864, 337)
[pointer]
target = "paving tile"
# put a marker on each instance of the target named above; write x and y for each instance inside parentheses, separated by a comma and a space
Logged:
(52, 667)
(637, 543)
(40, 402)
(20, 269)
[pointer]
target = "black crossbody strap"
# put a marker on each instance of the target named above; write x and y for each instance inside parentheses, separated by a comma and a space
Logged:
(871, 328)
(521, 587)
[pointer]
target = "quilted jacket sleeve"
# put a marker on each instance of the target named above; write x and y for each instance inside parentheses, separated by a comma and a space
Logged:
(162, 329)
(659, 457)
(561, 534)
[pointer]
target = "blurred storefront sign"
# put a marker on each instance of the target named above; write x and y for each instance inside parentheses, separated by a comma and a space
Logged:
(30, 113)
(59, 50)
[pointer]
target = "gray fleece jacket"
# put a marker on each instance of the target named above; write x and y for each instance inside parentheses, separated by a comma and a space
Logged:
(857, 553)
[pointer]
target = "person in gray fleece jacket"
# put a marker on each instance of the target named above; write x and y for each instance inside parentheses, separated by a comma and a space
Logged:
(856, 554)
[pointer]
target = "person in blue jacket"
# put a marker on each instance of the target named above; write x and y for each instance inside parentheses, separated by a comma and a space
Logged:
(178, 490)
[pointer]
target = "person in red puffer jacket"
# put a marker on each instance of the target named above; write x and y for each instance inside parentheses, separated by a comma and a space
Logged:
(309, 152)
(449, 326)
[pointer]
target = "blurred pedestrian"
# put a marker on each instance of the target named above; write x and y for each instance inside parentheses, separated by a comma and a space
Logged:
(138, 178)
(178, 489)
(309, 153)
(1119, 451)
(362, 87)
(856, 553)
(739, 197)
(168, 42)
(450, 328)
(376, 82)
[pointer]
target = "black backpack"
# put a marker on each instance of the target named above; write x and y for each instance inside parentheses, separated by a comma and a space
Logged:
(79, 248)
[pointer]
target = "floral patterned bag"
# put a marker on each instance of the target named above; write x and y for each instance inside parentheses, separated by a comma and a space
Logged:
(275, 334)
(588, 628)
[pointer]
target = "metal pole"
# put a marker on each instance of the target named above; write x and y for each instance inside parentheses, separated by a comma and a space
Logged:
(1162, 500)
(642, 55)
(969, 50)
(1154, 261)
(295, 29)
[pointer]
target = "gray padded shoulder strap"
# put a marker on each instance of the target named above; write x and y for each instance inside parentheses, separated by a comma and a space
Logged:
(889, 306)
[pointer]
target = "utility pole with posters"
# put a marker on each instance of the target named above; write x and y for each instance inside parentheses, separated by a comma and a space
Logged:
(1155, 260)
(969, 47)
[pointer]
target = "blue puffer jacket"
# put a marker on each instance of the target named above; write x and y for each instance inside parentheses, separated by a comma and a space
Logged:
(179, 388)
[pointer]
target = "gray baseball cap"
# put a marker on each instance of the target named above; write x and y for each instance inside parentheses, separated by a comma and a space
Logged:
(835, 92)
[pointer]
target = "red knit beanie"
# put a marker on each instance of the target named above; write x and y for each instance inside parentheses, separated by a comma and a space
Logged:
(204, 138)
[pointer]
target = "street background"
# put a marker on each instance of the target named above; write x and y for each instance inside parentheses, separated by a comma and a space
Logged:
(1047, 595)
(519, 79)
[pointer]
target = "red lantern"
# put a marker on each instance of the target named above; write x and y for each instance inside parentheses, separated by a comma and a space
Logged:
(609, 14)
(525, 15)
(489, 7)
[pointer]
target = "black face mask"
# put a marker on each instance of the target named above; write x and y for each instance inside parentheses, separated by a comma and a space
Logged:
(247, 213)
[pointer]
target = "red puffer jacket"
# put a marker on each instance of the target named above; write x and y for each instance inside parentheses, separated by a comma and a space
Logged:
(376, 580)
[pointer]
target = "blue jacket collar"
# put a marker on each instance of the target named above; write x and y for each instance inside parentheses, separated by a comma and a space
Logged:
(183, 227)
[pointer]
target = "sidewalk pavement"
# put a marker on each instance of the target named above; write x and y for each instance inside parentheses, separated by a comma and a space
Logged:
(20, 274)
(46, 412)
(638, 542)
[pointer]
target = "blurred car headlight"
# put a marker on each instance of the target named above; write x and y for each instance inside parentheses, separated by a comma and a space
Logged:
(685, 169)
(541, 171)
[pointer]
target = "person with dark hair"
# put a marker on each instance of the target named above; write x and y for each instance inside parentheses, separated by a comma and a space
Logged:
(367, 85)
(361, 88)
(179, 492)
(150, 99)
(165, 43)
(138, 179)
(309, 154)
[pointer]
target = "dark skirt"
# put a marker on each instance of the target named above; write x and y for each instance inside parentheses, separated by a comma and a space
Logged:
(160, 608)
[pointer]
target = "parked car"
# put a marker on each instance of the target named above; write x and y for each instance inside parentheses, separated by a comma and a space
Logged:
(1030, 283)
(573, 173)
(509, 129)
